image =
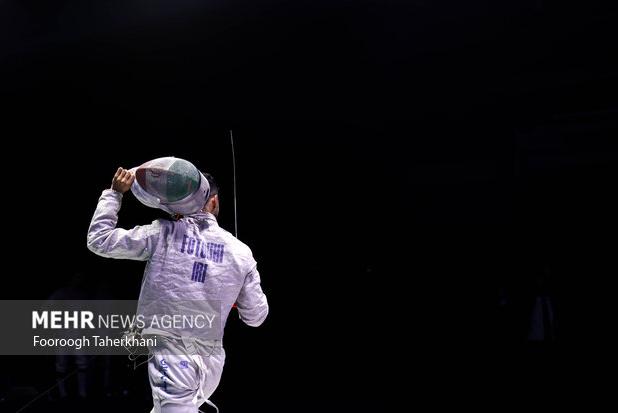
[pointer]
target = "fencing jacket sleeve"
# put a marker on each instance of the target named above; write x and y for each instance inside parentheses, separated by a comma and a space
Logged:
(252, 304)
(106, 240)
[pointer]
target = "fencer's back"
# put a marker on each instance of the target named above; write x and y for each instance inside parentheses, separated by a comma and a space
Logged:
(194, 261)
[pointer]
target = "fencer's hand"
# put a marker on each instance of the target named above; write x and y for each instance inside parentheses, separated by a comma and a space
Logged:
(123, 179)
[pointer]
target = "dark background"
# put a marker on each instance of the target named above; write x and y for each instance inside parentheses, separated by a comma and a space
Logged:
(406, 172)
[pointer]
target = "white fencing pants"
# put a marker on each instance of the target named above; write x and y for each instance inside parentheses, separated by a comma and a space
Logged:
(183, 374)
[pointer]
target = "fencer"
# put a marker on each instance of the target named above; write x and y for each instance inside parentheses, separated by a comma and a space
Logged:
(183, 371)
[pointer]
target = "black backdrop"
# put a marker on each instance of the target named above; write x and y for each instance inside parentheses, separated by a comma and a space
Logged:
(400, 166)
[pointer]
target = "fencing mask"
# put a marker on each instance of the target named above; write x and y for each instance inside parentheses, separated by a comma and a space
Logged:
(172, 184)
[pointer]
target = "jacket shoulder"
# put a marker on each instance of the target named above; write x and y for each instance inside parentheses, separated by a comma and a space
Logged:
(239, 248)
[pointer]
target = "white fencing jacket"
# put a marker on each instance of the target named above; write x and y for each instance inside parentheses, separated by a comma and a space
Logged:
(190, 262)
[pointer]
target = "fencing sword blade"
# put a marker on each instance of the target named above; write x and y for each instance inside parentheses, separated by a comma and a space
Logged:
(234, 184)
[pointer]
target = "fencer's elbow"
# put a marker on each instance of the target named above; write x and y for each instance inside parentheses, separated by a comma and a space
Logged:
(258, 319)
(255, 323)
(94, 245)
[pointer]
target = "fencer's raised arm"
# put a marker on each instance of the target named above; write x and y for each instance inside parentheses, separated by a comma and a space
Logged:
(108, 241)
(251, 302)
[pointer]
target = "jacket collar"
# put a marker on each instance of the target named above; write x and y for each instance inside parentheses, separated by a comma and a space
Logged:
(203, 216)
